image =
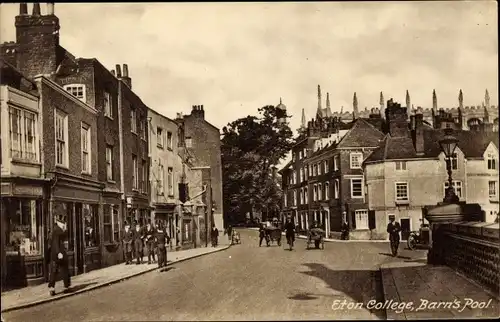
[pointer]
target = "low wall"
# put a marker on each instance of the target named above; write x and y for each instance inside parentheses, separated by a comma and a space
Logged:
(472, 248)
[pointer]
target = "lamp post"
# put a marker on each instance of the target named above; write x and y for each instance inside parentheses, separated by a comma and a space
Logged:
(448, 145)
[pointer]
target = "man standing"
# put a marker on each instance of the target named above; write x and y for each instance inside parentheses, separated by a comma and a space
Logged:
(58, 255)
(162, 239)
(393, 228)
(127, 240)
(345, 230)
(262, 234)
(230, 233)
(138, 240)
(150, 241)
(215, 236)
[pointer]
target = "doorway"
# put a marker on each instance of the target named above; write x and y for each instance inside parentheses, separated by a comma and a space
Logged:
(405, 228)
(79, 237)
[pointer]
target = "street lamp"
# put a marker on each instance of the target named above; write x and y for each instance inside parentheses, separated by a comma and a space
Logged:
(448, 145)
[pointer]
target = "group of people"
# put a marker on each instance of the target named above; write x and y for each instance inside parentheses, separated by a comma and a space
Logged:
(153, 239)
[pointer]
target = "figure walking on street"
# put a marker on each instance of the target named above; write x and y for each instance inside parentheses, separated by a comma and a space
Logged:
(138, 240)
(149, 239)
(393, 228)
(127, 240)
(215, 236)
(58, 255)
(162, 239)
(262, 234)
(345, 230)
(230, 233)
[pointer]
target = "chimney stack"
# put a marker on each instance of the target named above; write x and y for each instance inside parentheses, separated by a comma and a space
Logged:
(419, 131)
(125, 70)
(118, 71)
(23, 9)
(50, 8)
(36, 9)
(113, 72)
(126, 78)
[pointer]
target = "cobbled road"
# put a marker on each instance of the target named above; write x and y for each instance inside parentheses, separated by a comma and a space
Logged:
(245, 282)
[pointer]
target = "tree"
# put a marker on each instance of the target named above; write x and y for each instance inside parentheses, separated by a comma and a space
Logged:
(251, 146)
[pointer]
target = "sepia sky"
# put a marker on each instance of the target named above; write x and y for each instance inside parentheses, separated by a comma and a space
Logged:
(236, 57)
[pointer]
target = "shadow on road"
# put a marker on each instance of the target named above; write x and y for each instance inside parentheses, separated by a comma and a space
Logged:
(303, 297)
(356, 284)
(399, 256)
(79, 287)
(166, 269)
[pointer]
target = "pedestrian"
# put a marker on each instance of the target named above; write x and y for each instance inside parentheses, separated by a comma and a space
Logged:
(138, 242)
(149, 240)
(215, 236)
(262, 234)
(230, 233)
(162, 239)
(393, 228)
(58, 255)
(127, 241)
(345, 230)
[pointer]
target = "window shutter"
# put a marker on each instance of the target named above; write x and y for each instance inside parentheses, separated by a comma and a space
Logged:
(371, 219)
(353, 220)
(182, 192)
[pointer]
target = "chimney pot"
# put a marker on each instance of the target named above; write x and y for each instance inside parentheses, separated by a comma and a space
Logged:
(118, 71)
(36, 9)
(202, 107)
(23, 9)
(125, 70)
(50, 8)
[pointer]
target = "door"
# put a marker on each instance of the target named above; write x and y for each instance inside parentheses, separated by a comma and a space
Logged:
(405, 228)
(79, 238)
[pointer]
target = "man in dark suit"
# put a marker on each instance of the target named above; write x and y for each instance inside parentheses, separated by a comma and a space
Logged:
(149, 239)
(58, 255)
(393, 228)
(138, 241)
(162, 239)
(128, 239)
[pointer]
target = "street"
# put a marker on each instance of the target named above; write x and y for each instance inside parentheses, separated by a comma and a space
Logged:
(244, 282)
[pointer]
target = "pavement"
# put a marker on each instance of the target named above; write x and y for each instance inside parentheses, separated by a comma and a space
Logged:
(35, 295)
(248, 282)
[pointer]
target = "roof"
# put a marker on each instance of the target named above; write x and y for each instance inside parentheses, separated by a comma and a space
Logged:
(471, 143)
(11, 76)
(362, 134)
(285, 167)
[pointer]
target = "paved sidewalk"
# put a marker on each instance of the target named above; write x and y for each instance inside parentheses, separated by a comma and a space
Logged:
(34, 295)
(427, 286)
(337, 240)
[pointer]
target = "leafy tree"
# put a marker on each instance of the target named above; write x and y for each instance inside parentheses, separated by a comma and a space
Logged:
(251, 147)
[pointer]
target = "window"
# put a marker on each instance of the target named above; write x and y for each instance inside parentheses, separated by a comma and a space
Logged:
(22, 227)
(294, 177)
(142, 129)
(401, 191)
(111, 223)
(326, 166)
(319, 168)
(301, 174)
(22, 134)
(109, 163)
(356, 188)
(301, 196)
(306, 196)
(295, 197)
(336, 163)
(189, 142)
(170, 181)
(457, 185)
(77, 90)
(310, 170)
(135, 175)
(91, 225)
(293, 156)
(159, 137)
(133, 120)
(361, 219)
(492, 189)
(320, 191)
(86, 164)
(336, 189)
(61, 128)
(285, 199)
(454, 162)
(305, 152)
(315, 192)
(161, 179)
(300, 155)
(108, 106)
(144, 177)
(169, 141)
(492, 161)
(400, 165)
(327, 191)
(305, 172)
(356, 160)
(315, 172)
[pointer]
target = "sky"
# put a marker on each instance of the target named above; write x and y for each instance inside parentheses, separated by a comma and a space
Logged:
(236, 57)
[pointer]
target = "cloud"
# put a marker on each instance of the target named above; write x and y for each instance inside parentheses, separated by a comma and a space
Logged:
(236, 57)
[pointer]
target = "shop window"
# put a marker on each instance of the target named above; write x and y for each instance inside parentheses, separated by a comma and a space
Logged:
(23, 231)
(91, 225)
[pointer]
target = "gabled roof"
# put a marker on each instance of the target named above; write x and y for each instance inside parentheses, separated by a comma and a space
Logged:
(285, 167)
(13, 77)
(362, 134)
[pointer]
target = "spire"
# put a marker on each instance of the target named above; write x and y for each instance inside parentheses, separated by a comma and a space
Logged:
(434, 101)
(382, 105)
(319, 112)
(408, 101)
(487, 99)
(355, 106)
(303, 122)
(328, 100)
(23, 8)
(36, 9)
(460, 99)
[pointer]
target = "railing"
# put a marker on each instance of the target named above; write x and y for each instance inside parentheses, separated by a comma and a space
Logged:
(472, 248)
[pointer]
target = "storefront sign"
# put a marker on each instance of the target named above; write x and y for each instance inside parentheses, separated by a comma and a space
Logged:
(28, 190)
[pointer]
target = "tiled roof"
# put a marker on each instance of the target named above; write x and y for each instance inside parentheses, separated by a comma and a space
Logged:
(472, 144)
(362, 134)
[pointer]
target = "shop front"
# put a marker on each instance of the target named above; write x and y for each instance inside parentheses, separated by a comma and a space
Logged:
(112, 225)
(137, 209)
(22, 209)
(164, 213)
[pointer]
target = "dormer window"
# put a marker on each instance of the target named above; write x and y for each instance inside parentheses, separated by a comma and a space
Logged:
(77, 90)
(492, 161)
